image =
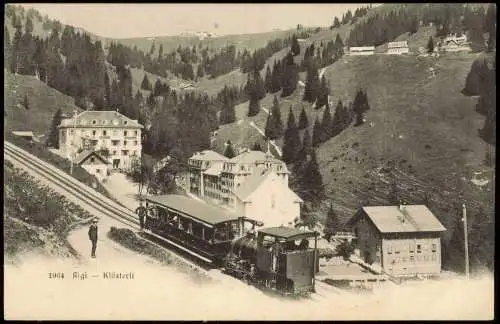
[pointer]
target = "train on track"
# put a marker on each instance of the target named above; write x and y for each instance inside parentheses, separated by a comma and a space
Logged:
(281, 259)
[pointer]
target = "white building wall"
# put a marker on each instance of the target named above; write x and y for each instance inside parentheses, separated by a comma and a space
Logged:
(270, 203)
(99, 170)
(122, 143)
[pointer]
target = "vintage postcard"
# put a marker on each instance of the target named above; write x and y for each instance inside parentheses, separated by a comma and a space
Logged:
(249, 161)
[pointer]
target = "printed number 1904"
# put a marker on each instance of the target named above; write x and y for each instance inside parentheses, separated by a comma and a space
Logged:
(56, 275)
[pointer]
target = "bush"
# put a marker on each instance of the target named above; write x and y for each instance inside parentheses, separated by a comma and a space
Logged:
(345, 250)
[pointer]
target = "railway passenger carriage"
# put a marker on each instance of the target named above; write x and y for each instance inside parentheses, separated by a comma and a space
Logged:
(202, 228)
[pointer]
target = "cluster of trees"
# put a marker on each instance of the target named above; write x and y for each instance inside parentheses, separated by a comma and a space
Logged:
(179, 125)
(481, 82)
(316, 91)
(226, 100)
(448, 18)
(349, 17)
(324, 54)
(256, 91)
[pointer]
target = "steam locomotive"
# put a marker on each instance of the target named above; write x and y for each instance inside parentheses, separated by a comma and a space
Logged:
(282, 259)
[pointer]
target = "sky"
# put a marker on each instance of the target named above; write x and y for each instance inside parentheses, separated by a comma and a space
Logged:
(148, 19)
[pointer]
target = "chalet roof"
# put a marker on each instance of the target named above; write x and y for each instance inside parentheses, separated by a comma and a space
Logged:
(362, 48)
(215, 169)
(249, 157)
(397, 44)
(197, 210)
(208, 155)
(253, 182)
(100, 119)
(404, 219)
(23, 133)
(80, 158)
(288, 233)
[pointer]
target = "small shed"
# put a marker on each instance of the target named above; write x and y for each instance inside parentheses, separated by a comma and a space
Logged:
(94, 163)
(27, 135)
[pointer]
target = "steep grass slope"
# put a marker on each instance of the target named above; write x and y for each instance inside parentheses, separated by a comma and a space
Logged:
(43, 103)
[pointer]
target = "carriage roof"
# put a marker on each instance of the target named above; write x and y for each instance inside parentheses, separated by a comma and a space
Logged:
(287, 233)
(195, 209)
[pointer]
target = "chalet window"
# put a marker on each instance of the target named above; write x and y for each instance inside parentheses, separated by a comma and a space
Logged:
(115, 143)
(389, 250)
(125, 122)
(97, 171)
(92, 159)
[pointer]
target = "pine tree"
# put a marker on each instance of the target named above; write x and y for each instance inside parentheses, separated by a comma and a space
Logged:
(291, 143)
(326, 125)
(322, 93)
(311, 180)
(295, 46)
(146, 85)
(253, 106)
(307, 143)
(430, 45)
(276, 78)
(332, 223)
(290, 76)
(268, 81)
(303, 121)
(338, 119)
(269, 130)
(360, 106)
(200, 73)
(316, 137)
(338, 47)
(229, 151)
(336, 23)
(276, 119)
(312, 87)
(53, 138)
(26, 102)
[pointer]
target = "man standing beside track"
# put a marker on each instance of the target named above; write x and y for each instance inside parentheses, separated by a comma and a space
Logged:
(141, 211)
(93, 236)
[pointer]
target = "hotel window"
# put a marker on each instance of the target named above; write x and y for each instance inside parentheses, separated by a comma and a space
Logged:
(125, 122)
(94, 122)
(115, 132)
(433, 257)
(136, 133)
(412, 248)
(72, 132)
(124, 133)
(135, 143)
(124, 143)
(125, 152)
(113, 153)
(419, 248)
(389, 250)
(93, 133)
(92, 159)
(97, 170)
(412, 258)
(104, 133)
(434, 247)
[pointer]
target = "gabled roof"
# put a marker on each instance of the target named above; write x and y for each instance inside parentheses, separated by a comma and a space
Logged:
(362, 48)
(208, 155)
(197, 210)
(287, 233)
(215, 169)
(259, 175)
(249, 157)
(255, 180)
(101, 119)
(86, 154)
(404, 219)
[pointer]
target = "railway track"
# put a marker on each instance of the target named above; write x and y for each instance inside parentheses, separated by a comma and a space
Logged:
(94, 201)
(91, 199)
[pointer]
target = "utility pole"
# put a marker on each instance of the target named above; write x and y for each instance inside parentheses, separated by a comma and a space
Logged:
(73, 146)
(464, 219)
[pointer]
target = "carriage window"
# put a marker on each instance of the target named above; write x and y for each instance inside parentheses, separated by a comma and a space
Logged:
(197, 230)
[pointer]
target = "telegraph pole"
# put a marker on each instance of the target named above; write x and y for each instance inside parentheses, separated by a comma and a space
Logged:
(73, 148)
(466, 242)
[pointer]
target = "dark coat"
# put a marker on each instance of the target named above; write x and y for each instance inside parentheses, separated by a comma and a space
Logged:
(93, 232)
(141, 211)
